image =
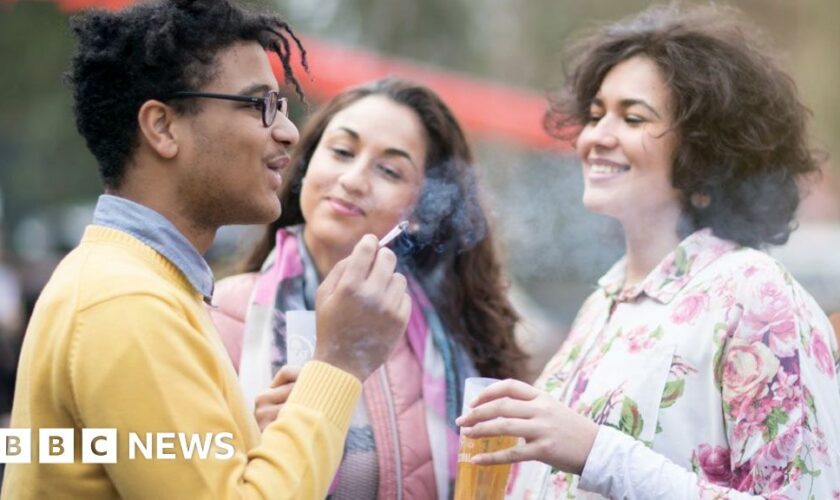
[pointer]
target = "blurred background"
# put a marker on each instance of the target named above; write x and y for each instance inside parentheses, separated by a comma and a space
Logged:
(493, 61)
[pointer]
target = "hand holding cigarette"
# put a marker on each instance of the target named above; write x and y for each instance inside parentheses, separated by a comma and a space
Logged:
(362, 310)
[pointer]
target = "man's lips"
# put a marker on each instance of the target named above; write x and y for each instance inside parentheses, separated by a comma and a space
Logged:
(344, 207)
(278, 163)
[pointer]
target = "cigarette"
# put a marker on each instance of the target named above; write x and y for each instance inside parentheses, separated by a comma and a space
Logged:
(393, 233)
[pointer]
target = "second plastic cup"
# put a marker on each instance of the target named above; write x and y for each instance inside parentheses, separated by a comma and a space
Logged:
(300, 337)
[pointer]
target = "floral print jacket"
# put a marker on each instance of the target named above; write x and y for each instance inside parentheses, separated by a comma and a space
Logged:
(721, 368)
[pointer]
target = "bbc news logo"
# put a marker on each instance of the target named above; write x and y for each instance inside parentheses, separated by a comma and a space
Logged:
(99, 446)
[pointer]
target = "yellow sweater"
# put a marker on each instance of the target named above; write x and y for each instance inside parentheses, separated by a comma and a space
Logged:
(119, 339)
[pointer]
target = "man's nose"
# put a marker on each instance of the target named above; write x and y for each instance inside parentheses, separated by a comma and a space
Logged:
(284, 131)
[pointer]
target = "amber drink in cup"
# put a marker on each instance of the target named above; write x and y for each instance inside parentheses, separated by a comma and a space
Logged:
(480, 482)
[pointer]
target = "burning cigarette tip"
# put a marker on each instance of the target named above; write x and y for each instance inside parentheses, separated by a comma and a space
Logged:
(393, 233)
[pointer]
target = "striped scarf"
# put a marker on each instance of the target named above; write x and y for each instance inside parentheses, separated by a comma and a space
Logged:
(288, 281)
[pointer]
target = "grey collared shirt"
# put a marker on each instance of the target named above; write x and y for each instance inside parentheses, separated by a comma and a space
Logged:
(156, 231)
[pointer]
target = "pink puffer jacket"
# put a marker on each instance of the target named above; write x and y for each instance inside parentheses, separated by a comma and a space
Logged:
(392, 394)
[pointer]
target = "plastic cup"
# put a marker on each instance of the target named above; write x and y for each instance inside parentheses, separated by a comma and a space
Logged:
(480, 482)
(300, 337)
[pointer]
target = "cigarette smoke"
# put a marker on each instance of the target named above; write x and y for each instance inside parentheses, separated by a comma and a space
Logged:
(448, 215)
(555, 249)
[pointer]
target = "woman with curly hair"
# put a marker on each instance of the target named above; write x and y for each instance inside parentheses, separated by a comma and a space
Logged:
(699, 367)
(373, 156)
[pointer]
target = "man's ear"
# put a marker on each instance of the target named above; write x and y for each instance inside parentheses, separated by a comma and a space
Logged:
(157, 127)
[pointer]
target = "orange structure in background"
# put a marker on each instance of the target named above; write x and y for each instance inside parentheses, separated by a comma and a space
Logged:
(489, 111)
(73, 5)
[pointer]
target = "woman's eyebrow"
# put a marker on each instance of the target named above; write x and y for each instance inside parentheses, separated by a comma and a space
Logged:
(626, 103)
(388, 152)
(401, 153)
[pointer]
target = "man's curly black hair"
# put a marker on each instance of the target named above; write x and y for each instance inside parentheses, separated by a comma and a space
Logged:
(151, 50)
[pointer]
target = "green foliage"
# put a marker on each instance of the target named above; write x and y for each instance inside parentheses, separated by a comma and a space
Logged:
(44, 161)
(682, 262)
(631, 421)
(673, 391)
(776, 418)
(598, 407)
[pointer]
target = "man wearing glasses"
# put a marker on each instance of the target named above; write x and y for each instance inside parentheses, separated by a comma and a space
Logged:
(178, 103)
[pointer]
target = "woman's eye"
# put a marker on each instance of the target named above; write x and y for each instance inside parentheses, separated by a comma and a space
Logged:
(593, 118)
(342, 153)
(634, 119)
(390, 172)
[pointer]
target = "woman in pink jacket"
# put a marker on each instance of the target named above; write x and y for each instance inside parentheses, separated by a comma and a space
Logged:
(370, 158)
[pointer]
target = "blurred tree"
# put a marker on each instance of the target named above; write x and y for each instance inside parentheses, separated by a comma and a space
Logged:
(521, 41)
(44, 161)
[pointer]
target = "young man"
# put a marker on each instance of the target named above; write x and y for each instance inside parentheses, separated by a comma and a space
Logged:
(178, 103)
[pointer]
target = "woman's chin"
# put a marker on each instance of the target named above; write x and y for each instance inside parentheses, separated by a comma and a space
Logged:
(341, 240)
(607, 208)
(598, 205)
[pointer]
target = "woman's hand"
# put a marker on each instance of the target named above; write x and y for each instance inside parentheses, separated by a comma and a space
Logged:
(268, 403)
(553, 433)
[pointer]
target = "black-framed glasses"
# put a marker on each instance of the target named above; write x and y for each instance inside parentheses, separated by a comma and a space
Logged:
(269, 104)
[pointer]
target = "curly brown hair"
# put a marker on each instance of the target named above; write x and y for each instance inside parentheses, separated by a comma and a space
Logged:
(458, 266)
(742, 148)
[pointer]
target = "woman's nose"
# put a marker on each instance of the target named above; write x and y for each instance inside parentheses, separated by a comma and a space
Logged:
(354, 178)
(601, 134)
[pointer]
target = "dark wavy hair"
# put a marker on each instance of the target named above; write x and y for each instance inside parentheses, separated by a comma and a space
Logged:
(742, 146)
(149, 51)
(456, 262)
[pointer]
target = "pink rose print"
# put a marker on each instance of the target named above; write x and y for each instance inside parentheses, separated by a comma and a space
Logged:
(778, 496)
(714, 462)
(733, 319)
(771, 313)
(668, 267)
(725, 292)
(786, 389)
(742, 477)
(784, 341)
(821, 450)
(747, 372)
(719, 248)
(774, 479)
(561, 484)
(639, 339)
(784, 448)
(689, 307)
(821, 352)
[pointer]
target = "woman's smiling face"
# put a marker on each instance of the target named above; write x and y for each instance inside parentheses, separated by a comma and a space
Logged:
(628, 145)
(366, 173)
